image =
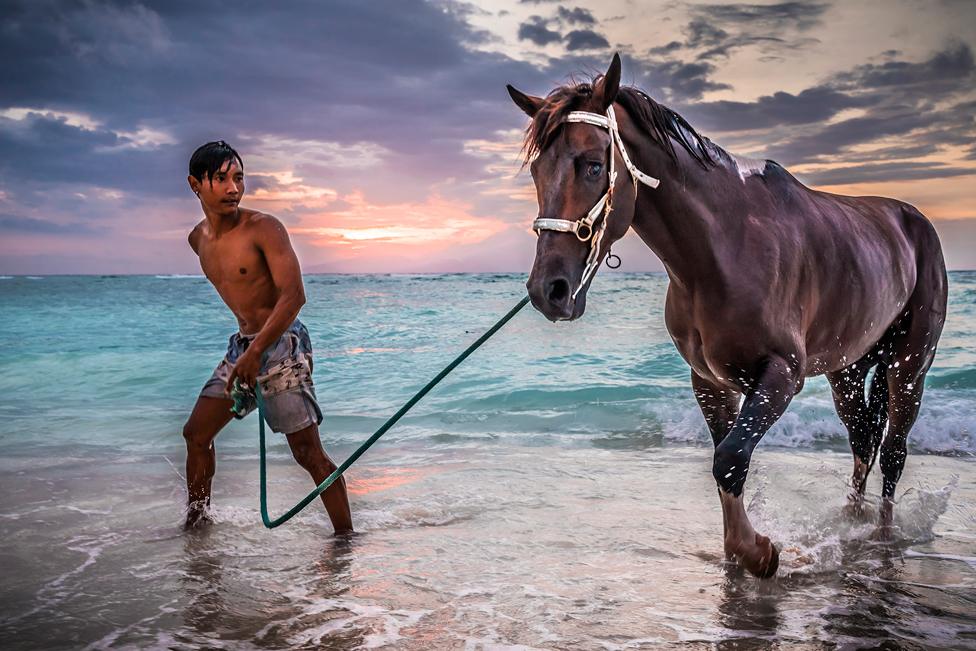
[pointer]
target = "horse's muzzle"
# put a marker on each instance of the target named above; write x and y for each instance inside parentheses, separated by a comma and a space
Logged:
(553, 296)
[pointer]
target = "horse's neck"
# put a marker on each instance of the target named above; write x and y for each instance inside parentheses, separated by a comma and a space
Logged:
(679, 219)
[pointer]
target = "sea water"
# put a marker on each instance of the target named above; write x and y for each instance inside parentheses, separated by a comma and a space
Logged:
(553, 492)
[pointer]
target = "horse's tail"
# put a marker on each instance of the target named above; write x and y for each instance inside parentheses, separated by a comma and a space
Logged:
(877, 409)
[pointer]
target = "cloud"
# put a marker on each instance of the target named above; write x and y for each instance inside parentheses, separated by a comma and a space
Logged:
(784, 15)
(680, 82)
(576, 15)
(585, 39)
(885, 172)
(880, 111)
(717, 30)
(536, 29)
(103, 102)
(816, 104)
(18, 224)
(942, 71)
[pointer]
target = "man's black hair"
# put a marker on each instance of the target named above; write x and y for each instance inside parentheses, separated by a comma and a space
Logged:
(209, 158)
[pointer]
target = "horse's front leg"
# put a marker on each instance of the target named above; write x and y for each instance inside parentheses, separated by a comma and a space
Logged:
(719, 406)
(766, 399)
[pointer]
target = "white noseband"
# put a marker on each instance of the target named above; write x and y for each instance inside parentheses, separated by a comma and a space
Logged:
(583, 228)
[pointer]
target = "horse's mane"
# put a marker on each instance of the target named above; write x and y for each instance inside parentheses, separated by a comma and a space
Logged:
(656, 120)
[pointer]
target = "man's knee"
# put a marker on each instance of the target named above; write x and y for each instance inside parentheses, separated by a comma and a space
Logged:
(730, 466)
(197, 437)
(308, 454)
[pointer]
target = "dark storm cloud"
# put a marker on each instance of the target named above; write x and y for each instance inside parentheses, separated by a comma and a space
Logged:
(576, 15)
(536, 29)
(585, 39)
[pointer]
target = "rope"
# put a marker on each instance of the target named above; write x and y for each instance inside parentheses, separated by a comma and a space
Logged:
(271, 524)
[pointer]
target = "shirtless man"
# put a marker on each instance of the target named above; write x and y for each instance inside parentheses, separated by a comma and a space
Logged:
(248, 258)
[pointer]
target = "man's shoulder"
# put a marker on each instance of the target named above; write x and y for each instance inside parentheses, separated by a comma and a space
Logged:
(195, 233)
(263, 225)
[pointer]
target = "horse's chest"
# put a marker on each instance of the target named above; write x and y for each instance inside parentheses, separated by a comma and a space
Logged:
(684, 332)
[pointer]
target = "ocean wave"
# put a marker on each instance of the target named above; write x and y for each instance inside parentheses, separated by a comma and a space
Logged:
(958, 378)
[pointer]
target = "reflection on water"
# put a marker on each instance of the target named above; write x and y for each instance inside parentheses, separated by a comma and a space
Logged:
(490, 545)
(273, 601)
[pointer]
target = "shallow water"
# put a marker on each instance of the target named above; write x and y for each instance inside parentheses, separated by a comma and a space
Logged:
(554, 493)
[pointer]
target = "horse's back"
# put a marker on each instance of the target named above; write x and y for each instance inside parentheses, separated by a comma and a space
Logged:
(860, 261)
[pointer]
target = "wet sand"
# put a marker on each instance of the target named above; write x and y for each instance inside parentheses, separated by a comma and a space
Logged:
(611, 544)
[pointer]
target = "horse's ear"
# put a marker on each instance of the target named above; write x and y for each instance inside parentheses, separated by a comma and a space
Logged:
(608, 85)
(527, 103)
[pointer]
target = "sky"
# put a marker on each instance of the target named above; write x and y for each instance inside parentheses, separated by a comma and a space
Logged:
(382, 135)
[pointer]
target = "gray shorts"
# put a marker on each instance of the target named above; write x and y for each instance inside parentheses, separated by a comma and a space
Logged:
(285, 378)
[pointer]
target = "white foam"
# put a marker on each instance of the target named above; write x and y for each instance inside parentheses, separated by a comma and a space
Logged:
(818, 537)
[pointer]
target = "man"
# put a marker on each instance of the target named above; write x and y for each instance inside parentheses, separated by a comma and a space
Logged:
(248, 258)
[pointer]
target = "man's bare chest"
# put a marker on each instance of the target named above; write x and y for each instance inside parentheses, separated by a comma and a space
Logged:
(231, 260)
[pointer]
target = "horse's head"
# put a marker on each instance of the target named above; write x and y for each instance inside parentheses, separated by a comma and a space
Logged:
(582, 209)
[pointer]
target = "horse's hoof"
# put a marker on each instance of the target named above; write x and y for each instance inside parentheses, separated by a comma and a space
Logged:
(857, 510)
(768, 560)
(761, 558)
(883, 533)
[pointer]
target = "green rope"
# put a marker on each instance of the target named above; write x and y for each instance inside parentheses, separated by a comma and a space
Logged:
(271, 524)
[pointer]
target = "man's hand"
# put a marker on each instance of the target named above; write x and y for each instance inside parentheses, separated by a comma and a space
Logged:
(246, 370)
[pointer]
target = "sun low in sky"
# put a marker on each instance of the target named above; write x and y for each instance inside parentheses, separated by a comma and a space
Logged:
(381, 133)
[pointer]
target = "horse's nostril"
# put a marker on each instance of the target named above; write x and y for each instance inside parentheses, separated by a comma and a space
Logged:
(558, 290)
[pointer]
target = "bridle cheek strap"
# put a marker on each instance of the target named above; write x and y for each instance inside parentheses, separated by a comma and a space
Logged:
(583, 228)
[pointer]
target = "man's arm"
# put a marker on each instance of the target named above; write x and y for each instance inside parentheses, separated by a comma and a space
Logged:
(272, 240)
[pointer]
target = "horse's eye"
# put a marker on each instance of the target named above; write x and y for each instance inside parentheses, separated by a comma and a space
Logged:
(594, 169)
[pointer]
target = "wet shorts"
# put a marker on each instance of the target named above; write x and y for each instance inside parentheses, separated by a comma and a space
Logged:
(285, 378)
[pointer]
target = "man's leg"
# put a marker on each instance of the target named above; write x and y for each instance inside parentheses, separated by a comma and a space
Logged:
(306, 446)
(206, 420)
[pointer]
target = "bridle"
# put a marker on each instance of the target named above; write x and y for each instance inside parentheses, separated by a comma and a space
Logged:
(583, 228)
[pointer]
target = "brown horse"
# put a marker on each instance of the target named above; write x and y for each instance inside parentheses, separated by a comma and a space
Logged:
(770, 282)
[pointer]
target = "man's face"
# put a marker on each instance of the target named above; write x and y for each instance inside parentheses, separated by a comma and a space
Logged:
(224, 191)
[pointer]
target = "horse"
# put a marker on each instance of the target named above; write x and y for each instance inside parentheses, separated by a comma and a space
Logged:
(770, 282)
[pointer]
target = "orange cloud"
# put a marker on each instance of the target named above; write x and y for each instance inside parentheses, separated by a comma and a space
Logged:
(435, 224)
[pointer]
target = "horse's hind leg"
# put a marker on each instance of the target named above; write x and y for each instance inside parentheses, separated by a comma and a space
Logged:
(719, 406)
(864, 419)
(912, 341)
(910, 358)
